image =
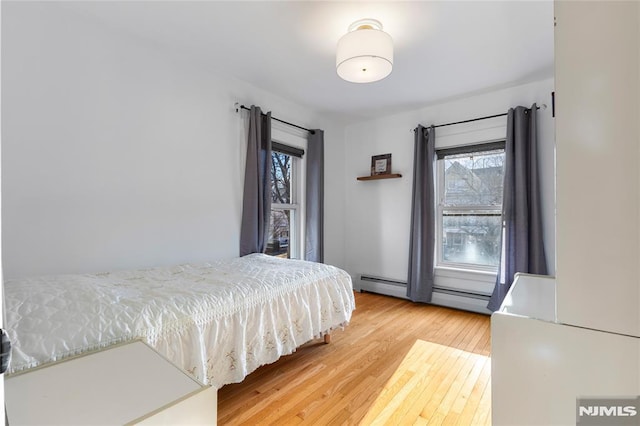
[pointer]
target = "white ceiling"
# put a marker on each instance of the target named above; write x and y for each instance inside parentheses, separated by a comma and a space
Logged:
(443, 49)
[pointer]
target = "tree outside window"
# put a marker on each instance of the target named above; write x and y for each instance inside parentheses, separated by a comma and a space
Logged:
(283, 207)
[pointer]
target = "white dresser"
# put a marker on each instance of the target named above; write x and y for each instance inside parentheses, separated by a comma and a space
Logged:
(541, 366)
(124, 384)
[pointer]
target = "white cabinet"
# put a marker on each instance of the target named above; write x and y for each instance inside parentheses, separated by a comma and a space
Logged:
(597, 49)
(539, 367)
(125, 384)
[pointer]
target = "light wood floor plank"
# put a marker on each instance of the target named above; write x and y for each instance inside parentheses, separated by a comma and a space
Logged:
(344, 382)
(416, 400)
(470, 408)
(441, 384)
(467, 387)
(483, 412)
(393, 405)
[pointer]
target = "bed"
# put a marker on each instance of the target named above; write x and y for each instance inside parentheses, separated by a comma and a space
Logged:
(218, 321)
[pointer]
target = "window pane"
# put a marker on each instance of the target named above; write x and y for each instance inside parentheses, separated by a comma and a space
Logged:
(280, 178)
(279, 231)
(471, 238)
(474, 179)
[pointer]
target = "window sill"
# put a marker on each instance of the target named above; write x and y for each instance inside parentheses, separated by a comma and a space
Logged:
(445, 270)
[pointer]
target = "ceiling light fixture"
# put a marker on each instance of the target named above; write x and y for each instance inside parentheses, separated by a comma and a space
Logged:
(365, 53)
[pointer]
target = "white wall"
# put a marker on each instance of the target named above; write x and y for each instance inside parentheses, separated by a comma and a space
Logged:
(115, 155)
(378, 212)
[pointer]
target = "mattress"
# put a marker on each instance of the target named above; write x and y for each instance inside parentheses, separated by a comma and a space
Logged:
(218, 321)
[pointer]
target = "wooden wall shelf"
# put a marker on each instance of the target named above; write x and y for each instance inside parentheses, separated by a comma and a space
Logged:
(376, 177)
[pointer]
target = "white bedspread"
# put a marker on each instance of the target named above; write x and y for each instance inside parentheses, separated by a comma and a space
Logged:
(219, 321)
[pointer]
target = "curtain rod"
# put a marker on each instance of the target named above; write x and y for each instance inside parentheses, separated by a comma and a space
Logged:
(480, 118)
(282, 121)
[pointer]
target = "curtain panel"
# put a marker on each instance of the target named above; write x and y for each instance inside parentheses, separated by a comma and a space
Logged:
(256, 202)
(314, 208)
(522, 244)
(423, 217)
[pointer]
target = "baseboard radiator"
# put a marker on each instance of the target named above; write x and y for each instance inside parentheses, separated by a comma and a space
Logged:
(449, 297)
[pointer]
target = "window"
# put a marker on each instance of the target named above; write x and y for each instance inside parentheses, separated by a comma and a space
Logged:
(469, 215)
(284, 226)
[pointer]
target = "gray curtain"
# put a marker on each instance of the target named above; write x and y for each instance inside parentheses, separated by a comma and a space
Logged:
(523, 249)
(314, 209)
(423, 217)
(256, 203)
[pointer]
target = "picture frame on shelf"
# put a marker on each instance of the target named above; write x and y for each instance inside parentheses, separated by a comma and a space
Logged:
(380, 164)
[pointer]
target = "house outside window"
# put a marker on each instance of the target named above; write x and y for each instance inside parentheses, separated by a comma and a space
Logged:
(469, 210)
(284, 226)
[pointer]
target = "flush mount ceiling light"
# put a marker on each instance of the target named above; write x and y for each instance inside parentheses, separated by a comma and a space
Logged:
(365, 53)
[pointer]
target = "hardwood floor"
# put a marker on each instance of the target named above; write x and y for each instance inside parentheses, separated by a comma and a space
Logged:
(443, 379)
(435, 384)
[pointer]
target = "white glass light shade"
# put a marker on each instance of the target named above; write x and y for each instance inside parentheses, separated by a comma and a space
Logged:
(364, 55)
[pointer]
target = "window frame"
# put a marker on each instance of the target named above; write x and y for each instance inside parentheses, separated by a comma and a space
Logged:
(440, 263)
(295, 205)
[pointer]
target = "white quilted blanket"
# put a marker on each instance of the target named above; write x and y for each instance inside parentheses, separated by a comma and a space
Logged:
(219, 321)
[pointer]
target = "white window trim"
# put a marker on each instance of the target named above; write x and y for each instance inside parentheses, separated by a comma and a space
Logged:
(471, 281)
(467, 134)
(460, 276)
(296, 138)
